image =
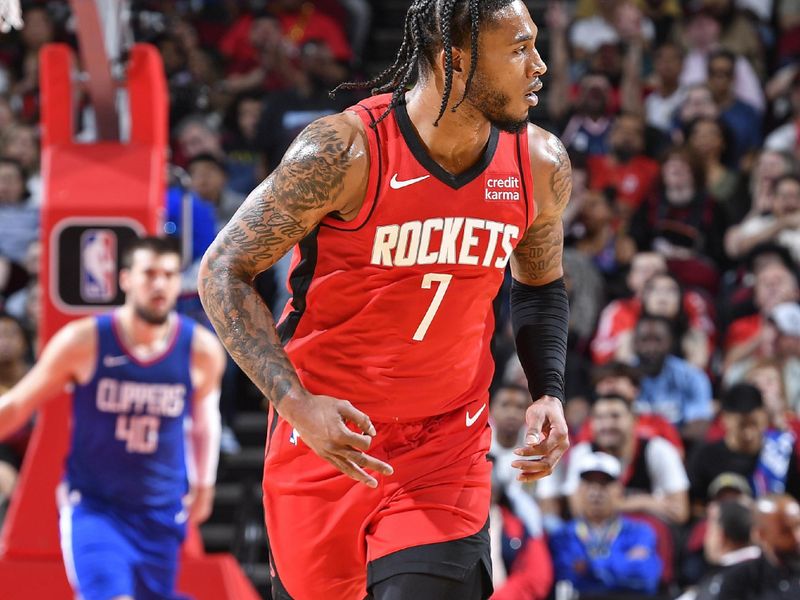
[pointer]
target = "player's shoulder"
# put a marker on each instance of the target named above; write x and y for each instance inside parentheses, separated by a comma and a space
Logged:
(75, 341)
(79, 333)
(546, 149)
(340, 136)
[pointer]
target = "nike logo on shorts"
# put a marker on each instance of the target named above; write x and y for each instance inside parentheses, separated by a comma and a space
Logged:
(114, 361)
(399, 185)
(471, 419)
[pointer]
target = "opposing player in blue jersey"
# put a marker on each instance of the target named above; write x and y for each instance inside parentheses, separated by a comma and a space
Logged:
(145, 430)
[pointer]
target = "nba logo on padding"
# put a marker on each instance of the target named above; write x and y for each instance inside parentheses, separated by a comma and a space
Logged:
(98, 265)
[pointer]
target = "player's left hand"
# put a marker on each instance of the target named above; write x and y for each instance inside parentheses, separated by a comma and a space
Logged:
(546, 439)
(200, 502)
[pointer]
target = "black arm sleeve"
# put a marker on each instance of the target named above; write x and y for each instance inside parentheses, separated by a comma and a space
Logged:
(540, 317)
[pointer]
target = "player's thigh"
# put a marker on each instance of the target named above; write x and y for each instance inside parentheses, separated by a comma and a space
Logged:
(154, 577)
(315, 520)
(458, 569)
(441, 489)
(97, 556)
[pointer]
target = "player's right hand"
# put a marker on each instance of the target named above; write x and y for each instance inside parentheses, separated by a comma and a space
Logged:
(321, 422)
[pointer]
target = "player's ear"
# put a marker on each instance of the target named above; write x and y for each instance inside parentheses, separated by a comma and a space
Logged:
(124, 279)
(460, 60)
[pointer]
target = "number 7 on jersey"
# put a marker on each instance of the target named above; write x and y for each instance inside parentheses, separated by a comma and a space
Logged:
(443, 281)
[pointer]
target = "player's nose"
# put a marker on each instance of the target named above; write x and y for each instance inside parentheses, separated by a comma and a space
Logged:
(536, 66)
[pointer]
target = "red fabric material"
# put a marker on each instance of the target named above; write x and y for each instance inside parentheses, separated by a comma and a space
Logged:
(242, 56)
(743, 330)
(324, 527)
(532, 574)
(620, 317)
(368, 344)
(633, 181)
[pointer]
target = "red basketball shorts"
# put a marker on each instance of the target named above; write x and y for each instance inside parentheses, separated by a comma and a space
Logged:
(324, 528)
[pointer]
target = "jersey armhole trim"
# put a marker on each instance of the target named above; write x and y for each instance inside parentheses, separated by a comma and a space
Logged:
(375, 174)
(524, 160)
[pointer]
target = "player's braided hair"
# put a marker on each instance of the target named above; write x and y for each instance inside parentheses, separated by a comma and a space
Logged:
(430, 25)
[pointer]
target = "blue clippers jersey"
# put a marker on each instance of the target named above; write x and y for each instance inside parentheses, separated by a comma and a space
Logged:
(128, 422)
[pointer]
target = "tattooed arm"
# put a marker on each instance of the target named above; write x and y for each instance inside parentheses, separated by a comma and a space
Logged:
(325, 171)
(537, 258)
(539, 308)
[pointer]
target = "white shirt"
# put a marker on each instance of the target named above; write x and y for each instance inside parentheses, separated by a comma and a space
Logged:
(660, 110)
(592, 32)
(784, 138)
(746, 85)
(664, 466)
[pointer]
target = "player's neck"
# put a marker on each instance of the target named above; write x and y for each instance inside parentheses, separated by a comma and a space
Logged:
(142, 335)
(458, 142)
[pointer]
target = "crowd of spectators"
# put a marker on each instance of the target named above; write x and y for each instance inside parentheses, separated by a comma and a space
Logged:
(682, 121)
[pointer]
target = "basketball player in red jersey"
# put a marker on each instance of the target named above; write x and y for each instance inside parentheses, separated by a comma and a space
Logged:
(405, 211)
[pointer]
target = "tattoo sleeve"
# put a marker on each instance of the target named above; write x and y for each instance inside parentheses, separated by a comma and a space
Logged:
(537, 258)
(281, 211)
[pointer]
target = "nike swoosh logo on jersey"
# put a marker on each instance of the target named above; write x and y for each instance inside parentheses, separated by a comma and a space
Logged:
(471, 419)
(114, 361)
(399, 185)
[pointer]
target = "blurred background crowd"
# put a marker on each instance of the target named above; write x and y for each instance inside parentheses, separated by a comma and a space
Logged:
(682, 120)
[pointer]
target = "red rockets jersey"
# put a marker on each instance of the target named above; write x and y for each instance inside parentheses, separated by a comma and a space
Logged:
(393, 310)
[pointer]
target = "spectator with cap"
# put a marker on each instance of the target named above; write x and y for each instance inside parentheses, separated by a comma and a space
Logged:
(652, 471)
(727, 542)
(766, 458)
(602, 552)
(671, 386)
(775, 575)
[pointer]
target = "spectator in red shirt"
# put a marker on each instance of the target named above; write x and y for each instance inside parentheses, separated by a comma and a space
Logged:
(252, 39)
(521, 565)
(663, 296)
(775, 283)
(626, 169)
(683, 223)
(614, 337)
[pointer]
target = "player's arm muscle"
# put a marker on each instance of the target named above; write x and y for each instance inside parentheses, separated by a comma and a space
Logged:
(208, 365)
(537, 258)
(325, 171)
(69, 356)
